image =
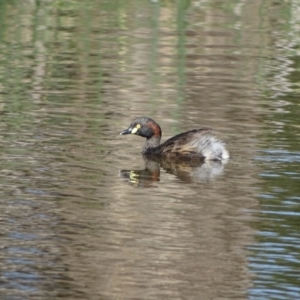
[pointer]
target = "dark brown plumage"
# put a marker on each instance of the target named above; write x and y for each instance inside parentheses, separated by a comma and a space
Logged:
(196, 144)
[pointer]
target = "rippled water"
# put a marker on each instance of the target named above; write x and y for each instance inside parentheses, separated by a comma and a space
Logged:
(83, 216)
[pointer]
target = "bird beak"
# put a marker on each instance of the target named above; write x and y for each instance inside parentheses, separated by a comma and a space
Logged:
(127, 131)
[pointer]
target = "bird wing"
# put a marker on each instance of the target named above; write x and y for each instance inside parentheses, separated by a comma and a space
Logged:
(186, 142)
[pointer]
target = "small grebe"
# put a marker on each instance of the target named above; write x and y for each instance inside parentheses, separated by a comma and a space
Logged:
(196, 144)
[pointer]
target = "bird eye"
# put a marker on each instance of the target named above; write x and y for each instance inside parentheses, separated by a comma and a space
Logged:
(136, 128)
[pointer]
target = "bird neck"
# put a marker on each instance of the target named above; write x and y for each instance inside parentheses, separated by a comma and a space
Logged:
(151, 143)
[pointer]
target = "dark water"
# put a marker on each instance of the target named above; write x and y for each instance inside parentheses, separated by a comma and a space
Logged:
(82, 216)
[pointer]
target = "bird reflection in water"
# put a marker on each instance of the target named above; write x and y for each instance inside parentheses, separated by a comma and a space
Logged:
(185, 171)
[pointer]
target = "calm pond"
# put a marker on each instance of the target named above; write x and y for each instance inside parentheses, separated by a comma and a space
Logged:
(82, 215)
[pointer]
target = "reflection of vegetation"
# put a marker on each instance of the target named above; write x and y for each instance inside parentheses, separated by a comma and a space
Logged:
(66, 66)
(181, 48)
(279, 222)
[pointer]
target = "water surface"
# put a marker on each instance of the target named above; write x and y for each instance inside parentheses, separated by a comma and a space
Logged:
(83, 215)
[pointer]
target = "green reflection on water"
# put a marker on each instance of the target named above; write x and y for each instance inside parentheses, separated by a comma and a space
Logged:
(280, 209)
(63, 63)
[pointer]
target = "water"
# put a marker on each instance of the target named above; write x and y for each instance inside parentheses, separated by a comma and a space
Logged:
(82, 215)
